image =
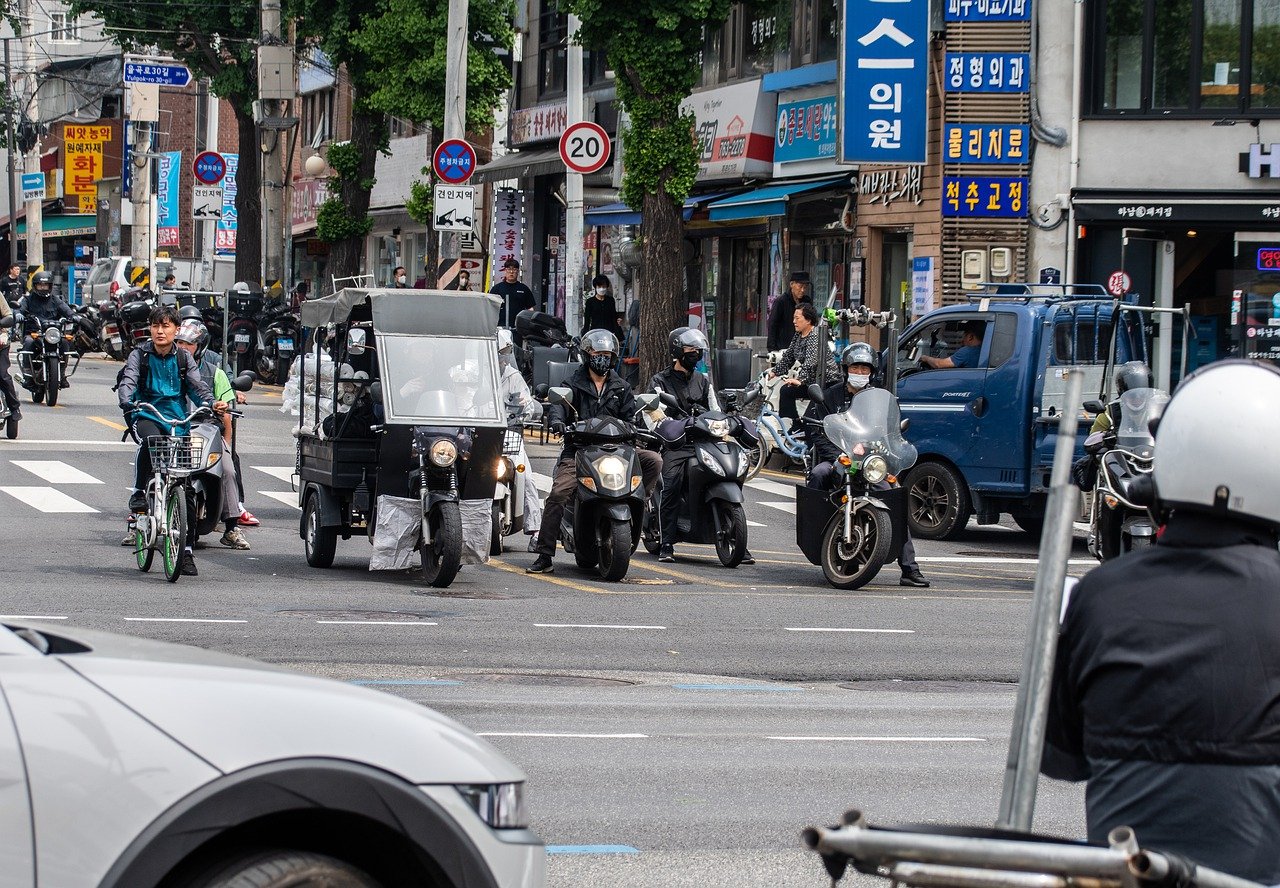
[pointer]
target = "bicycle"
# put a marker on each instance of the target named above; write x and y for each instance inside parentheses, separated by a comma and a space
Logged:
(174, 459)
(773, 432)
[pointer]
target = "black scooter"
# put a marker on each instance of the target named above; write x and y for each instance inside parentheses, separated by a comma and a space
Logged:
(279, 343)
(537, 329)
(8, 419)
(443, 456)
(602, 521)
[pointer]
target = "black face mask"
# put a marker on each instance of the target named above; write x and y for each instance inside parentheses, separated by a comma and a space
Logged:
(689, 360)
(602, 363)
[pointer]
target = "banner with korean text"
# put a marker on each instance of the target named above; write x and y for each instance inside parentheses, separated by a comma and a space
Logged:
(884, 70)
(224, 243)
(167, 199)
(507, 240)
(83, 148)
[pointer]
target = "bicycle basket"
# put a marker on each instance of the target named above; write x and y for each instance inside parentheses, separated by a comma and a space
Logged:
(512, 441)
(176, 454)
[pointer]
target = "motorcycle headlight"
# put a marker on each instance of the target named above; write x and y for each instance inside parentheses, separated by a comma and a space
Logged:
(612, 471)
(213, 459)
(710, 462)
(501, 805)
(500, 469)
(53, 336)
(875, 469)
(718, 427)
(444, 453)
(744, 463)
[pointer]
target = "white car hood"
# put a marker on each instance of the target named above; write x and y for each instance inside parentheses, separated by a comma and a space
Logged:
(235, 713)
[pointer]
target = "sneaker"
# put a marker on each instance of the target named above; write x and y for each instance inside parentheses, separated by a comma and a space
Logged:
(188, 566)
(128, 540)
(748, 558)
(138, 502)
(247, 519)
(913, 577)
(667, 554)
(541, 565)
(234, 539)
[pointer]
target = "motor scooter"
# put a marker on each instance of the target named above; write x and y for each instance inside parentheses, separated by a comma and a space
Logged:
(243, 340)
(602, 520)
(537, 329)
(1119, 521)
(277, 343)
(509, 491)
(206, 484)
(443, 456)
(7, 418)
(111, 334)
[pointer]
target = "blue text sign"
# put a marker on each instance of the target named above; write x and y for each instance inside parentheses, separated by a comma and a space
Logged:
(164, 75)
(987, 72)
(984, 196)
(985, 143)
(806, 130)
(884, 111)
(988, 10)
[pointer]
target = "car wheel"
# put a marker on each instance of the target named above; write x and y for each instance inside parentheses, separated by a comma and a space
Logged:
(287, 869)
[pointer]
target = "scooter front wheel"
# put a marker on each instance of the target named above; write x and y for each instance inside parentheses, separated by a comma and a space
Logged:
(731, 538)
(853, 565)
(613, 542)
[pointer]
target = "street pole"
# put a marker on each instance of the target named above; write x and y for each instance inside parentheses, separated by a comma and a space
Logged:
(35, 208)
(11, 139)
(273, 173)
(144, 113)
(573, 189)
(455, 103)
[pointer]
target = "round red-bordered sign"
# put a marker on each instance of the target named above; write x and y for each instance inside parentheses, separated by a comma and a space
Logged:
(454, 161)
(1119, 283)
(584, 147)
(209, 167)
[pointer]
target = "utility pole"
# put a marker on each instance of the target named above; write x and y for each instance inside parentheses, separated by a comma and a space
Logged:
(276, 90)
(35, 208)
(573, 189)
(11, 139)
(144, 113)
(455, 102)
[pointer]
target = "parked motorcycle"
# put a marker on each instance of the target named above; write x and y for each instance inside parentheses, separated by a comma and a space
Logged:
(277, 342)
(1119, 522)
(603, 518)
(855, 529)
(88, 336)
(442, 454)
(537, 329)
(712, 501)
(110, 329)
(242, 330)
(44, 360)
(10, 421)
(135, 319)
(508, 493)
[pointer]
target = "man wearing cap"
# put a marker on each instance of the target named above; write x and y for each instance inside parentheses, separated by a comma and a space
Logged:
(516, 297)
(781, 326)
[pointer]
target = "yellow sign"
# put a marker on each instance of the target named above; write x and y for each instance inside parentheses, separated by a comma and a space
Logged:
(83, 148)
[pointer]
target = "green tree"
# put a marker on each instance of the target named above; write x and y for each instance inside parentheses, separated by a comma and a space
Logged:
(217, 41)
(393, 52)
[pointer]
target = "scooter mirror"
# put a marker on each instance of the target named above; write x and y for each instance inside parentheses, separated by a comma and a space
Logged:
(243, 382)
(375, 392)
(559, 395)
(904, 425)
(356, 342)
(648, 401)
(815, 394)
(540, 391)
(669, 400)
(1094, 406)
(7, 321)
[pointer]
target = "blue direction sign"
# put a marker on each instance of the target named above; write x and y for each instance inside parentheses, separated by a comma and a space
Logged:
(454, 161)
(165, 75)
(209, 167)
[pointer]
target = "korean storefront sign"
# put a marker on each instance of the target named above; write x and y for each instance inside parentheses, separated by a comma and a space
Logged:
(167, 199)
(807, 130)
(83, 149)
(987, 72)
(734, 130)
(224, 243)
(985, 143)
(988, 10)
(308, 195)
(541, 123)
(884, 111)
(507, 238)
(984, 196)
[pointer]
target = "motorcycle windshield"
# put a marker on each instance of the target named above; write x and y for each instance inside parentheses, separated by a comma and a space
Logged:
(440, 381)
(1137, 408)
(871, 425)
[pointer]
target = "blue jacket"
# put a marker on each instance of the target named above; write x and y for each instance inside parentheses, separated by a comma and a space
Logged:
(164, 381)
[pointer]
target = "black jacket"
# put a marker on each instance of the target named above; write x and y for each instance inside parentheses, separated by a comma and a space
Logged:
(782, 321)
(516, 297)
(600, 314)
(42, 308)
(838, 398)
(12, 289)
(1166, 695)
(614, 399)
(688, 389)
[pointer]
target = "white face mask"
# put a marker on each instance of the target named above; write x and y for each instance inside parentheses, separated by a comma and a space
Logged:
(857, 380)
(401, 279)
(602, 291)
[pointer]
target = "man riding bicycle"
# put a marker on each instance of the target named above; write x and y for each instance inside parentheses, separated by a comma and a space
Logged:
(166, 377)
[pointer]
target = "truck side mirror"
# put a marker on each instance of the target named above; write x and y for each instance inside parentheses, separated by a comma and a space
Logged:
(356, 342)
(815, 394)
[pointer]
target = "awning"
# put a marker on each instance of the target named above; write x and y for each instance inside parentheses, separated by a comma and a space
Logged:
(621, 214)
(78, 225)
(541, 162)
(768, 201)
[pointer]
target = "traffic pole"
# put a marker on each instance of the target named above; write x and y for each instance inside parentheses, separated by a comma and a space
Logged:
(573, 289)
(455, 108)
(12, 141)
(273, 173)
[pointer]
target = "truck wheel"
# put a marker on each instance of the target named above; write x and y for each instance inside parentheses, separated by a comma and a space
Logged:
(1031, 520)
(855, 565)
(286, 869)
(441, 559)
(614, 547)
(320, 542)
(937, 502)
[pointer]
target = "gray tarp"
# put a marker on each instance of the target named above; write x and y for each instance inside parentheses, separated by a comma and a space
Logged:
(415, 312)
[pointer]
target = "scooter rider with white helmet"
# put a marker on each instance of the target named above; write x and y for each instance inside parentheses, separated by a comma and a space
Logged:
(517, 398)
(1166, 692)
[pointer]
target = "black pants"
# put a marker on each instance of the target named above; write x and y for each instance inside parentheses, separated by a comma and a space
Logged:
(823, 477)
(787, 400)
(7, 387)
(564, 480)
(674, 465)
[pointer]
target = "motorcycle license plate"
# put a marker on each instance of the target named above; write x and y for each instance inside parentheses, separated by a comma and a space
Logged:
(242, 338)
(283, 343)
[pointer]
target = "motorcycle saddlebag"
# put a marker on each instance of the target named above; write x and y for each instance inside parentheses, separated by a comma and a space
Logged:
(530, 322)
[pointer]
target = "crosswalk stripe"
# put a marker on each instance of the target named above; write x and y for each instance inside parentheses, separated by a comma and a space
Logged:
(751, 523)
(541, 481)
(48, 500)
(789, 508)
(289, 498)
(284, 473)
(55, 471)
(766, 486)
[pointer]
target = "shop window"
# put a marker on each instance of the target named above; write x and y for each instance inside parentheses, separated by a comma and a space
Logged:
(744, 46)
(553, 35)
(817, 32)
(945, 339)
(1208, 58)
(317, 116)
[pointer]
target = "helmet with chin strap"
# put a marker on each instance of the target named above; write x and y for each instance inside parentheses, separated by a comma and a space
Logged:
(599, 350)
(860, 353)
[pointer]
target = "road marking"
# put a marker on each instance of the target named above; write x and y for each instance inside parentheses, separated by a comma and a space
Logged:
(28, 617)
(25, 443)
(751, 523)
(178, 620)
(556, 581)
(397, 682)
(375, 623)
(289, 498)
(591, 849)
(838, 629)
(884, 739)
(569, 736)
(541, 481)
(592, 626)
(109, 423)
(692, 578)
(979, 559)
(733, 687)
(789, 508)
(49, 500)
(772, 487)
(284, 473)
(55, 471)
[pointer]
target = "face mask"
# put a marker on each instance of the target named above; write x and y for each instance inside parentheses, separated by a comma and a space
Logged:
(506, 359)
(857, 380)
(602, 291)
(401, 279)
(601, 363)
(689, 360)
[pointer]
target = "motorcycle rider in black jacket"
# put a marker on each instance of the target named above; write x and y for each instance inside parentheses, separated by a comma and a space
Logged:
(597, 391)
(690, 387)
(1165, 689)
(42, 305)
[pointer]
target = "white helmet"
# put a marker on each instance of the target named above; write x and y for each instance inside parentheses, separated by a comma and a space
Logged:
(505, 341)
(1215, 444)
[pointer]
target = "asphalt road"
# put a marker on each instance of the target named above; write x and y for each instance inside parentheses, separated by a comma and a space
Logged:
(679, 728)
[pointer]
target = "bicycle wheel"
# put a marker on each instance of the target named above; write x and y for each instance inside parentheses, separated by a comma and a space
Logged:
(175, 532)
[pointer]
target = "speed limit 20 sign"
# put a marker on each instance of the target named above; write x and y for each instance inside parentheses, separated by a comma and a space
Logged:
(584, 147)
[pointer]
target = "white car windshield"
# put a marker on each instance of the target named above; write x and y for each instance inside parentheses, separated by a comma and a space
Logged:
(440, 380)
(871, 425)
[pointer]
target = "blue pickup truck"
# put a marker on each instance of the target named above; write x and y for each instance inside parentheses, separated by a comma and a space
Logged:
(983, 387)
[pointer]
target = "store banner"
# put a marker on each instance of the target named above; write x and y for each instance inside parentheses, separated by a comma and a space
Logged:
(884, 112)
(733, 126)
(167, 199)
(988, 72)
(83, 149)
(984, 197)
(985, 143)
(988, 10)
(921, 286)
(507, 235)
(807, 130)
(224, 243)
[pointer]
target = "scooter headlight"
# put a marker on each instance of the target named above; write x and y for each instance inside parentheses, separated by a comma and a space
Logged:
(710, 462)
(444, 453)
(53, 336)
(874, 469)
(718, 427)
(212, 461)
(612, 471)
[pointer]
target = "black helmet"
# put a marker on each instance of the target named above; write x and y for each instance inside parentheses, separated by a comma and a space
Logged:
(1132, 375)
(190, 313)
(860, 353)
(42, 282)
(604, 348)
(685, 337)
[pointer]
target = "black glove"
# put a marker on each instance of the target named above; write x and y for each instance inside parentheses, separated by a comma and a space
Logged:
(557, 428)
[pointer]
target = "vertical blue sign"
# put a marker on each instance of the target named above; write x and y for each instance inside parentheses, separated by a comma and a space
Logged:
(167, 189)
(884, 53)
(225, 232)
